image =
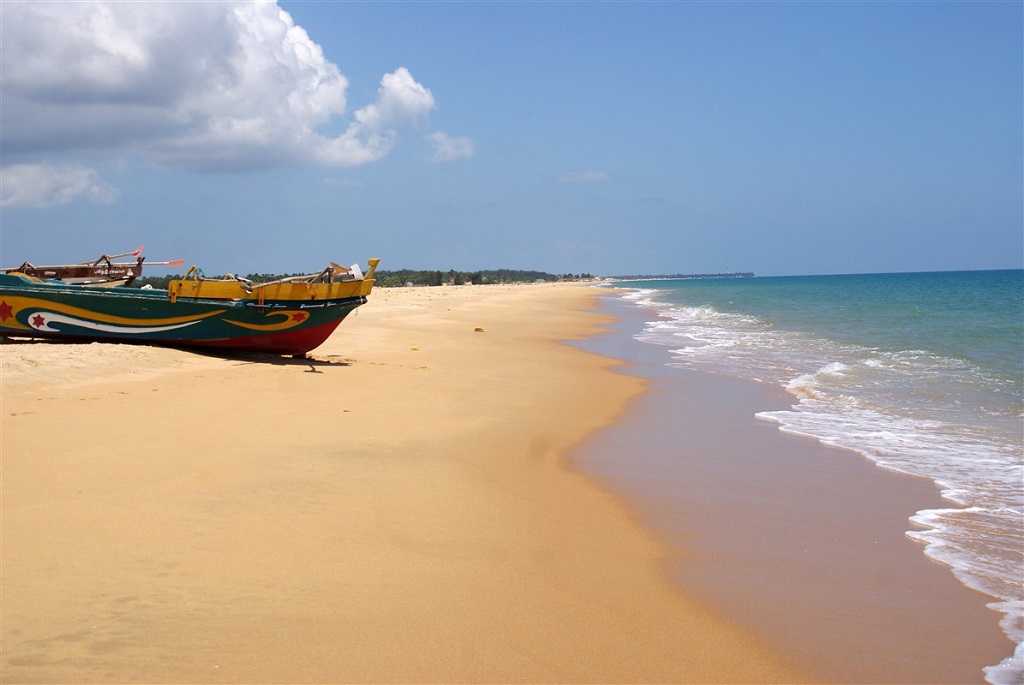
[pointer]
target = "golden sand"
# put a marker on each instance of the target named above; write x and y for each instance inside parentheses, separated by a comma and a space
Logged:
(397, 508)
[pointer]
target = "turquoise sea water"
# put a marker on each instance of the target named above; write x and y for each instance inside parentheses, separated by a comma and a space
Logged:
(922, 373)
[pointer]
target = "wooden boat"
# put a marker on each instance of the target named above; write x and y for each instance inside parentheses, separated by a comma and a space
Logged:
(288, 316)
(102, 272)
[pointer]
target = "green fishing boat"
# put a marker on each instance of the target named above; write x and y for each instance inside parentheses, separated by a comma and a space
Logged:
(290, 316)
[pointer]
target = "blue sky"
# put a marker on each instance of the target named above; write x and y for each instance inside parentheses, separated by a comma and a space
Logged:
(601, 137)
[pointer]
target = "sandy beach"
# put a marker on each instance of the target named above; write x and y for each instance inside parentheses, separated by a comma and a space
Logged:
(398, 508)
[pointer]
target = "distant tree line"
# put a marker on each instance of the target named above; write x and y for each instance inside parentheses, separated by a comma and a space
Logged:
(162, 282)
(404, 277)
(157, 282)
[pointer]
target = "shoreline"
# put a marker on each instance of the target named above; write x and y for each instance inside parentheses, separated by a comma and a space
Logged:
(400, 507)
(803, 543)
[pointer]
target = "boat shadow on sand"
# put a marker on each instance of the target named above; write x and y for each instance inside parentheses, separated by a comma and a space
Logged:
(314, 363)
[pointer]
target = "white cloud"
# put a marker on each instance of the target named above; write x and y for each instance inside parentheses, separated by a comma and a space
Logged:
(401, 103)
(583, 177)
(201, 85)
(448, 148)
(37, 185)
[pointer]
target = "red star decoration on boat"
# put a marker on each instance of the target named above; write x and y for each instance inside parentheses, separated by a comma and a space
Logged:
(299, 316)
(38, 321)
(5, 310)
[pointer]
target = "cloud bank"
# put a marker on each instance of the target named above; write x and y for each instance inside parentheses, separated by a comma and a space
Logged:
(37, 185)
(207, 86)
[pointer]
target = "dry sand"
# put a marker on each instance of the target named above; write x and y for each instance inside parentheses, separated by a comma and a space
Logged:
(398, 508)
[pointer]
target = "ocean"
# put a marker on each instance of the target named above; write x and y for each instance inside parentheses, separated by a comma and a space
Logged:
(922, 373)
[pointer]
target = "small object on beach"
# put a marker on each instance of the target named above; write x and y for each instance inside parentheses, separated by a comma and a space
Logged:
(415, 348)
(478, 330)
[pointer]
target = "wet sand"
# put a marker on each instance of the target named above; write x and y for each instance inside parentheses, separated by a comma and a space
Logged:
(399, 508)
(803, 543)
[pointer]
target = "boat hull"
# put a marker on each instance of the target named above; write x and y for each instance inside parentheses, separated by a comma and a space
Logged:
(49, 309)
